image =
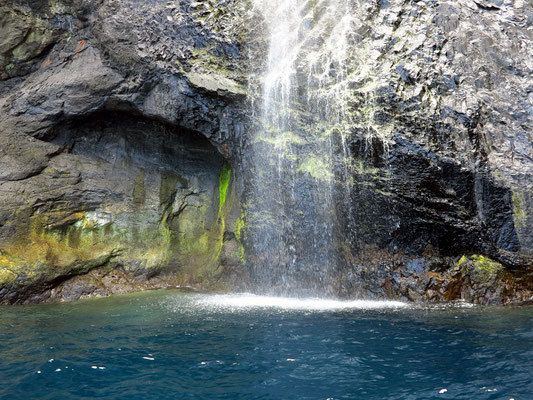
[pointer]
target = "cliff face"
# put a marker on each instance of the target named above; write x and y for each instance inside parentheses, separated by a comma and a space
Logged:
(429, 107)
(119, 123)
(125, 127)
(442, 148)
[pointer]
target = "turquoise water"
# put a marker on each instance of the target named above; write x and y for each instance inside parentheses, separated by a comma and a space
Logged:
(170, 345)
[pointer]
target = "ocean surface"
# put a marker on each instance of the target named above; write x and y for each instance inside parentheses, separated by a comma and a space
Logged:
(174, 345)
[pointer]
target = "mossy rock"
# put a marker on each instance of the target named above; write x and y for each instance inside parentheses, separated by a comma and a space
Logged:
(479, 268)
(6, 277)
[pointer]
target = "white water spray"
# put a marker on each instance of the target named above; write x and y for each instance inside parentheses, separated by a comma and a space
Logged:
(299, 152)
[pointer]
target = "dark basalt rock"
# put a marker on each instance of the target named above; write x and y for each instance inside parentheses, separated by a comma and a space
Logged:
(118, 119)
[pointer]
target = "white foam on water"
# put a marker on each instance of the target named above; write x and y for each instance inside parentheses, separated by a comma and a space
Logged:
(247, 301)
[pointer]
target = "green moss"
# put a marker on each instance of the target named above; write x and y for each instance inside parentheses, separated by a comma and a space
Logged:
(164, 230)
(223, 184)
(486, 265)
(78, 240)
(150, 246)
(57, 243)
(519, 205)
(203, 59)
(243, 254)
(462, 260)
(279, 139)
(139, 191)
(361, 167)
(74, 237)
(317, 168)
(194, 245)
(239, 226)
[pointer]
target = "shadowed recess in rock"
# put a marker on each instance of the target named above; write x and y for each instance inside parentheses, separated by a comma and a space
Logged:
(141, 195)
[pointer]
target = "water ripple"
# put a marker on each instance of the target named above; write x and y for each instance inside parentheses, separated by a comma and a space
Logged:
(166, 345)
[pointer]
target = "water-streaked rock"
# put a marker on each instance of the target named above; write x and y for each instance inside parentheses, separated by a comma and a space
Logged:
(118, 118)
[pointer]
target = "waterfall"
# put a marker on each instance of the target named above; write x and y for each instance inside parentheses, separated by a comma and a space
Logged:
(299, 151)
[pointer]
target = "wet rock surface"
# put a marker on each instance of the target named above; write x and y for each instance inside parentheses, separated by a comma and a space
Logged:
(118, 119)
(443, 163)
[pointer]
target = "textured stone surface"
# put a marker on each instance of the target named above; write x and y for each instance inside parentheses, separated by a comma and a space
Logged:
(117, 117)
(449, 169)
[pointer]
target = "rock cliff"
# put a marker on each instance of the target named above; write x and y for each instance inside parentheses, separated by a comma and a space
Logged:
(125, 130)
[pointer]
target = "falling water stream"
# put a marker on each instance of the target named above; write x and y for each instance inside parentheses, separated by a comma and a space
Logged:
(299, 149)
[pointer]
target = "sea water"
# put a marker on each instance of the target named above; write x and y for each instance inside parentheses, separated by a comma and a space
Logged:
(173, 345)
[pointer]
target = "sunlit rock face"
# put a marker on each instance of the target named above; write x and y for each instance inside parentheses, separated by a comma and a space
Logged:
(333, 148)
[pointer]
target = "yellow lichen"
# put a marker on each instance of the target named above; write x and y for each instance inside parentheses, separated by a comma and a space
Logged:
(6, 276)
